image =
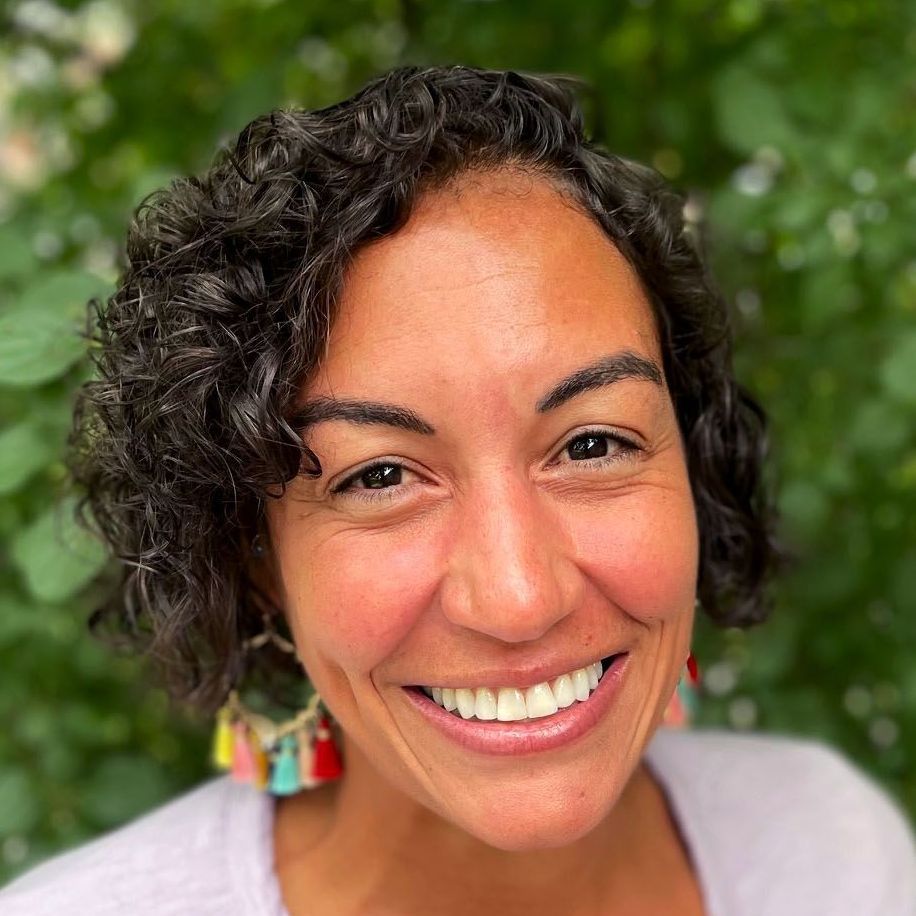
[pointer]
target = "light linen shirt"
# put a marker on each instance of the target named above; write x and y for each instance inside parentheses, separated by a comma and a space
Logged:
(774, 825)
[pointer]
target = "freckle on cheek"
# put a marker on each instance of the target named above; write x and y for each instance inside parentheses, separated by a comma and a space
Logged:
(361, 629)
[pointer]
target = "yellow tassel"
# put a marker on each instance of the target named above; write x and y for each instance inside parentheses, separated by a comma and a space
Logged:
(223, 740)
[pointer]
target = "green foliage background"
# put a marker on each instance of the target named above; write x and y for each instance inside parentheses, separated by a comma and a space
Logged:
(790, 123)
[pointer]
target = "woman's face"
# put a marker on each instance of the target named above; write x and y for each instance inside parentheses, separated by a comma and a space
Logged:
(507, 537)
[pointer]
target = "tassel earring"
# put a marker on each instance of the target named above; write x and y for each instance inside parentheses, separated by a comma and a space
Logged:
(223, 740)
(326, 762)
(243, 765)
(279, 757)
(284, 779)
(682, 707)
(282, 758)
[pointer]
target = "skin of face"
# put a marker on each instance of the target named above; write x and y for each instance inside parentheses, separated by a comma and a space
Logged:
(494, 546)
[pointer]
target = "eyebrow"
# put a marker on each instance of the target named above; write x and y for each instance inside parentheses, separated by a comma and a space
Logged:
(606, 371)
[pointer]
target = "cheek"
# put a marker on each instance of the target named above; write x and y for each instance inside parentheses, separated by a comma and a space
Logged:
(359, 596)
(643, 552)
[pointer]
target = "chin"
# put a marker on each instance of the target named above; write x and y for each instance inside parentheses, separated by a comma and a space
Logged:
(525, 821)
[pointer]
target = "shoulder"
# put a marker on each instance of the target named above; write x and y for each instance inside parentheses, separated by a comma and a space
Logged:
(183, 856)
(788, 820)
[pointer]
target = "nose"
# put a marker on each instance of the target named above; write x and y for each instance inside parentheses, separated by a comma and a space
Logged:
(510, 573)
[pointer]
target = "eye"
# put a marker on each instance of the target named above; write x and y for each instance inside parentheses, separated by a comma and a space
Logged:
(592, 447)
(379, 480)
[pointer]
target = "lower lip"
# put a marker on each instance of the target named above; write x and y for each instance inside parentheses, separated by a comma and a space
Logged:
(529, 736)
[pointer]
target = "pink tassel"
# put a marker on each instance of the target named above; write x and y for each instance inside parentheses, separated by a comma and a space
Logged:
(244, 766)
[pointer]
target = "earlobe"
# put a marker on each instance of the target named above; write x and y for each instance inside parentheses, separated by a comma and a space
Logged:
(258, 547)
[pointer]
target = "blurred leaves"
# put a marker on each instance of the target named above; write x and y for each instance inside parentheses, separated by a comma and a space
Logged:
(56, 556)
(19, 811)
(898, 371)
(23, 451)
(123, 786)
(788, 124)
(749, 112)
(16, 256)
(36, 346)
(40, 332)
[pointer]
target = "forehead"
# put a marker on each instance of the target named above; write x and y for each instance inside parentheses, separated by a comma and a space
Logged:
(497, 274)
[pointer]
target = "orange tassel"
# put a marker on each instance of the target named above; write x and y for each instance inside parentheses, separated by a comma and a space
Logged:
(261, 764)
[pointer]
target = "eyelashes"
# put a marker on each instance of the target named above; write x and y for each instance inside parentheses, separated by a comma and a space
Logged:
(390, 471)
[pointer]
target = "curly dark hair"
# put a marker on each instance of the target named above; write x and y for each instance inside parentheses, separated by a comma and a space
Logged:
(226, 304)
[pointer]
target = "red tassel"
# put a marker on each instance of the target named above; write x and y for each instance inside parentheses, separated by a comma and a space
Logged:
(693, 669)
(326, 762)
(244, 766)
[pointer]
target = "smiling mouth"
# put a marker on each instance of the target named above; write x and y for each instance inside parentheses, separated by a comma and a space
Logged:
(515, 704)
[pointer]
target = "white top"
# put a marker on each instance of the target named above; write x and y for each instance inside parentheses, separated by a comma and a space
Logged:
(775, 825)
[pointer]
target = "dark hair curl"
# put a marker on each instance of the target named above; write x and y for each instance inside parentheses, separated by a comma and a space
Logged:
(227, 300)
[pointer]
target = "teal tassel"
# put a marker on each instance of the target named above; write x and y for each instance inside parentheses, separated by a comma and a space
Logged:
(689, 696)
(284, 777)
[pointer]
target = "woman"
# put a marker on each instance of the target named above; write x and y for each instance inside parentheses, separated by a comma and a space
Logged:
(441, 390)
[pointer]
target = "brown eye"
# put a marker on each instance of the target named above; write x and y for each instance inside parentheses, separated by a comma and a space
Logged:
(588, 446)
(375, 477)
(592, 447)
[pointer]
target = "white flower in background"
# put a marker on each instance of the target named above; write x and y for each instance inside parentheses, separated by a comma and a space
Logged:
(30, 67)
(756, 177)
(42, 17)
(106, 31)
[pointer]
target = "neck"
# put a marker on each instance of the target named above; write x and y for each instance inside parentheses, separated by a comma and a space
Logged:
(362, 842)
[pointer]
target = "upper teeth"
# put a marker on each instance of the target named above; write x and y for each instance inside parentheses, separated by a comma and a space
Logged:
(509, 704)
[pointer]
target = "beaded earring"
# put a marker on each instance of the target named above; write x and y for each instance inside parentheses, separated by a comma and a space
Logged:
(278, 757)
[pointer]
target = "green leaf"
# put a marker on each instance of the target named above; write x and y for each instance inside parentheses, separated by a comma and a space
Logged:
(40, 335)
(151, 180)
(122, 787)
(879, 427)
(16, 256)
(827, 295)
(18, 809)
(35, 348)
(749, 112)
(898, 371)
(23, 622)
(55, 556)
(23, 452)
(804, 505)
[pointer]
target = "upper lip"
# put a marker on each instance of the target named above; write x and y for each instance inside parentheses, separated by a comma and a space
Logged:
(517, 676)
